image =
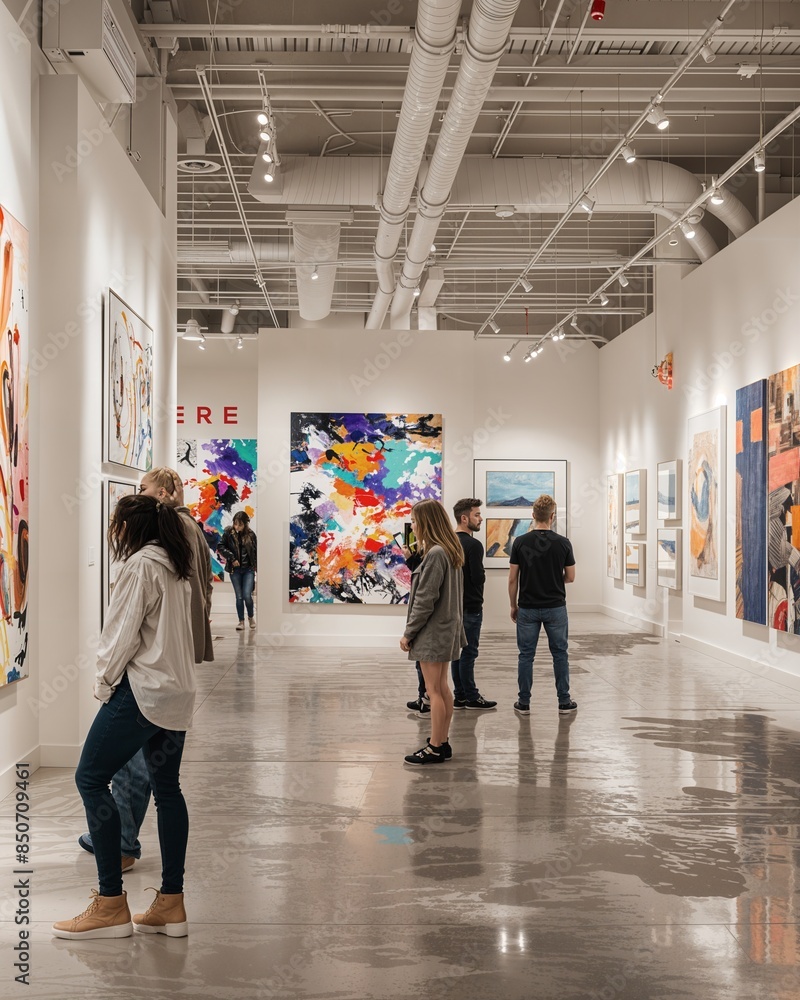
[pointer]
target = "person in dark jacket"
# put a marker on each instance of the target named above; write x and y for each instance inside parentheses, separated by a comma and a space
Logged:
(238, 548)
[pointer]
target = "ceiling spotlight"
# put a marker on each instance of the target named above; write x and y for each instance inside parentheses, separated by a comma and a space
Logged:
(587, 204)
(234, 309)
(760, 161)
(315, 274)
(433, 248)
(202, 345)
(717, 194)
(266, 156)
(239, 344)
(526, 285)
(417, 292)
(574, 323)
(673, 240)
(269, 176)
(688, 230)
(604, 300)
(623, 281)
(554, 335)
(507, 355)
(658, 118)
(541, 348)
(265, 135)
(192, 331)
(561, 333)
(708, 54)
(262, 118)
(494, 326)
(528, 357)
(628, 153)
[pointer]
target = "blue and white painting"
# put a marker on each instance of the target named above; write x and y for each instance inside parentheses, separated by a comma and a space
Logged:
(669, 558)
(668, 491)
(634, 501)
(518, 489)
(501, 532)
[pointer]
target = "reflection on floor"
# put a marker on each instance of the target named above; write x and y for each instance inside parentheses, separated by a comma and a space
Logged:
(643, 849)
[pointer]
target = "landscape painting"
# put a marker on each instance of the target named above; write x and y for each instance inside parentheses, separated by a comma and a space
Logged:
(354, 478)
(706, 482)
(518, 489)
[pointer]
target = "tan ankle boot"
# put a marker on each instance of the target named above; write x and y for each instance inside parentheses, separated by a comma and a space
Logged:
(165, 916)
(104, 917)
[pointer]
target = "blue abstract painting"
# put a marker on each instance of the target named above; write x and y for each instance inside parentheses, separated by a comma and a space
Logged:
(751, 502)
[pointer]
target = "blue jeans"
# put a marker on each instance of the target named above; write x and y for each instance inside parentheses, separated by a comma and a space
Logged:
(463, 669)
(243, 581)
(130, 787)
(117, 733)
(556, 625)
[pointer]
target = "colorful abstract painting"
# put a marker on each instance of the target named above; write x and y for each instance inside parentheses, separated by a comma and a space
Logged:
(354, 478)
(614, 528)
(668, 566)
(783, 481)
(114, 491)
(751, 502)
(128, 387)
(669, 490)
(706, 486)
(518, 489)
(501, 532)
(219, 479)
(634, 563)
(14, 457)
(635, 494)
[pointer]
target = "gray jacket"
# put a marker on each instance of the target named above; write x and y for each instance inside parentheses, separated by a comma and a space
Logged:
(434, 626)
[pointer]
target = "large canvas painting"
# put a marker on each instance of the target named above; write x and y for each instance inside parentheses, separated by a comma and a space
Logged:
(14, 458)
(128, 425)
(114, 490)
(509, 488)
(614, 527)
(500, 535)
(354, 479)
(636, 501)
(706, 488)
(783, 471)
(634, 563)
(669, 558)
(751, 502)
(219, 479)
(669, 490)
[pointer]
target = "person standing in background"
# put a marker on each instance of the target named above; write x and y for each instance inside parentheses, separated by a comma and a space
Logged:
(467, 513)
(238, 547)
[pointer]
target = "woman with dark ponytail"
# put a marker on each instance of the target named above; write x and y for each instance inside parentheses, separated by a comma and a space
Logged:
(145, 679)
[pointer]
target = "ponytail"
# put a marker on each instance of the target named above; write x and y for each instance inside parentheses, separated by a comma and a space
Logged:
(140, 519)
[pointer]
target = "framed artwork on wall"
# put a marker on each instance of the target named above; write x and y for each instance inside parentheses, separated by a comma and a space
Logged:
(636, 501)
(783, 502)
(114, 490)
(219, 480)
(706, 492)
(354, 478)
(14, 455)
(509, 488)
(634, 563)
(614, 534)
(669, 558)
(127, 387)
(669, 490)
(752, 576)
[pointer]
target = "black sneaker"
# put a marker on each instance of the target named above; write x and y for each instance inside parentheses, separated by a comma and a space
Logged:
(420, 706)
(460, 703)
(480, 704)
(522, 709)
(426, 755)
(446, 748)
(567, 707)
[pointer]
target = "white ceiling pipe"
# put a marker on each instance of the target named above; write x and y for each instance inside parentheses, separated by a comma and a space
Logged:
(200, 287)
(315, 243)
(434, 41)
(227, 321)
(265, 250)
(489, 27)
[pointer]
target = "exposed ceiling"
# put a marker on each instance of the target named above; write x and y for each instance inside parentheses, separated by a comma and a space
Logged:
(567, 89)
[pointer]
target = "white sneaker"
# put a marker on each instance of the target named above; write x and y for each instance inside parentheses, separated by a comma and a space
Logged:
(252, 623)
(240, 627)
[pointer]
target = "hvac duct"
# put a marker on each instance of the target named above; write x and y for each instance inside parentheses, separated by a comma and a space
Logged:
(237, 252)
(315, 243)
(434, 40)
(489, 27)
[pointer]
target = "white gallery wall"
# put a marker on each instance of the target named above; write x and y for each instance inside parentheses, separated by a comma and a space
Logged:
(729, 322)
(490, 410)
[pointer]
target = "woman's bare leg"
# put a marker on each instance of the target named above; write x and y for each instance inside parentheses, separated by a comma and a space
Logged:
(436, 682)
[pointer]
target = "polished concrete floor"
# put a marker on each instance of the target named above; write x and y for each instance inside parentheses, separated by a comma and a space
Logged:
(646, 848)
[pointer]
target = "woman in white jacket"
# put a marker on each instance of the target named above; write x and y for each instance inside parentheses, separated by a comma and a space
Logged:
(145, 679)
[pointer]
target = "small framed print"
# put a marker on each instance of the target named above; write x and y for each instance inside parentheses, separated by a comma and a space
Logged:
(669, 490)
(669, 558)
(636, 502)
(634, 563)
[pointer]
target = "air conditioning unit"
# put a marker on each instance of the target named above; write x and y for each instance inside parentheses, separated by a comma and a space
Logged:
(88, 36)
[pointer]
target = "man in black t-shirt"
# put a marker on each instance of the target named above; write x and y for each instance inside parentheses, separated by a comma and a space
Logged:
(542, 563)
(467, 513)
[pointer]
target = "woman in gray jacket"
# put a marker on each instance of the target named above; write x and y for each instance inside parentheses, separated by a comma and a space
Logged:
(434, 632)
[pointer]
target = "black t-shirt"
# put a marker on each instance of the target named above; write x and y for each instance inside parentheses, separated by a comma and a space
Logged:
(541, 557)
(474, 573)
